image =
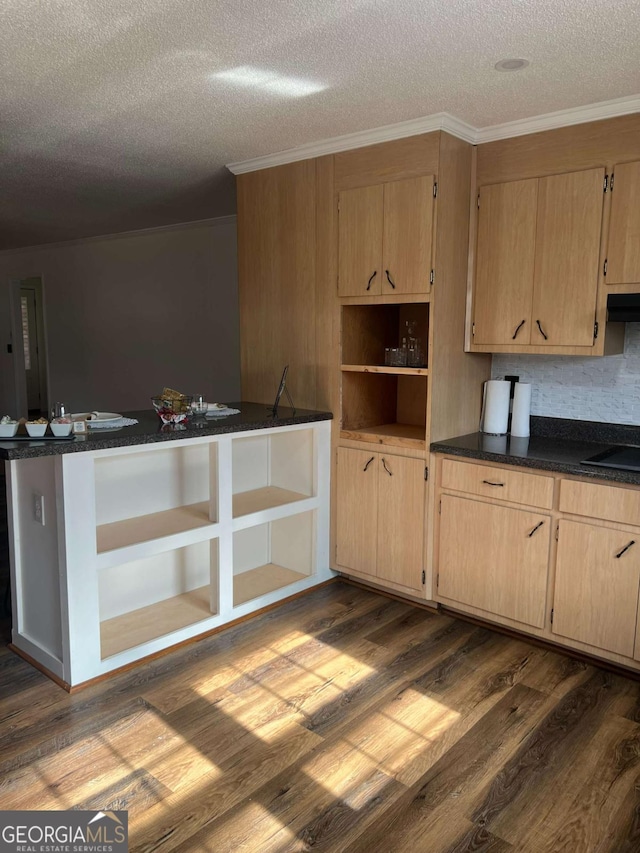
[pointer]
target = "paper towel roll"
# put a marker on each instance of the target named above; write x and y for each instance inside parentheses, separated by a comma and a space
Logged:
(521, 409)
(495, 407)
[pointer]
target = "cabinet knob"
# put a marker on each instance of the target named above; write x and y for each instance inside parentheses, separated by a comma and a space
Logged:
(518, 327)
(490, 483)
(368, 463)
(371, 278)
(384, 465)
(390, 280)
(542, 332)
(626, 548)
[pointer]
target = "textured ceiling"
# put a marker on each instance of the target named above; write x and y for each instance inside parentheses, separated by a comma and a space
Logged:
(120, 115)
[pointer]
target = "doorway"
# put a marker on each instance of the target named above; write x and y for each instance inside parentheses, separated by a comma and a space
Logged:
(33, 342)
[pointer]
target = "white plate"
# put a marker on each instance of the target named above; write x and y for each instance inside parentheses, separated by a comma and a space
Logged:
(103, 417)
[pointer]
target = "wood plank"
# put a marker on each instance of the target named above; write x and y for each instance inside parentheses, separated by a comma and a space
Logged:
(393, 435)
(377, 368)
(549, 152)
(396, 160)
(257, 500)
(131, 531)
(262, 580)
(146, 623)
(277, 281)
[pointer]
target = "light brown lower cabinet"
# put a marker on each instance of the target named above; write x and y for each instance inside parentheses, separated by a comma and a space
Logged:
(597, 585)
(494, 558)
(381, 516)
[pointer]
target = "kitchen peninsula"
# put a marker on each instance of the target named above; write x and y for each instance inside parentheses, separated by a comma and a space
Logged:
(125, 543)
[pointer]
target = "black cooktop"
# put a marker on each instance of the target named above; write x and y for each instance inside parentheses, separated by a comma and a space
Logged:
(623, 458)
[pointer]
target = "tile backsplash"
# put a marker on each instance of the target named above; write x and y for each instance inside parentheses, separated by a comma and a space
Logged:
(593, 389)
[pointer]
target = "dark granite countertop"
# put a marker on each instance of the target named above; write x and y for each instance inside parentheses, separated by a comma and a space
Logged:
(149, 429)
(555, 444)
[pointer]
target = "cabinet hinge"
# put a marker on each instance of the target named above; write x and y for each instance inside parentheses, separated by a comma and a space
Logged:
(478, 201)
(606, 182)
(473, 330)
(595, 330)
(435, 195)
(432, 276)
(552, 615)
(424, 576)
(438, 580)
(557, 532)
(604, 268)
(440, 508)
(426, 473)
(611, 184)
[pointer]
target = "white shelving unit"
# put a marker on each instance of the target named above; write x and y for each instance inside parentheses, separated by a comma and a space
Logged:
(145, 547)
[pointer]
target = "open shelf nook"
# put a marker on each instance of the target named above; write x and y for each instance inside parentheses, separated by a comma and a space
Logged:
(148, 495)
(150, 598)
(272, 470)
(384, 409)
(368, 329)
(271, 556)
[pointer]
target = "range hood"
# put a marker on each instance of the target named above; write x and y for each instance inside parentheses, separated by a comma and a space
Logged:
(623, 307)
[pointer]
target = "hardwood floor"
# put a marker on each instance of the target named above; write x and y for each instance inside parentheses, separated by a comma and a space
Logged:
(341, 721)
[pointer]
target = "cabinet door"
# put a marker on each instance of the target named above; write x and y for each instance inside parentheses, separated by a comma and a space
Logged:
(357, 510)
(360, 241)
(504, 263)
(623, 255)
(567, 258)
(596, 587)
(494, 558)
(401, 520)
(408, 225)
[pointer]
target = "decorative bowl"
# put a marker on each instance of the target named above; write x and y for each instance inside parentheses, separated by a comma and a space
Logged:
(172, 410)
(61, 428)
(8, 430)
(36, 430)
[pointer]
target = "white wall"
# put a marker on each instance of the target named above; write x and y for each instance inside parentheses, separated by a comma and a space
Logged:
(127, 315)
(591, 389)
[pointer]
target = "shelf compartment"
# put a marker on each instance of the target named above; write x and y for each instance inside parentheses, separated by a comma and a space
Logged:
(377, 368)
(368, 329)
(147, 599)
(144, 528)
(149, 494)
(384, 409)
(268, 557)
(272, 470)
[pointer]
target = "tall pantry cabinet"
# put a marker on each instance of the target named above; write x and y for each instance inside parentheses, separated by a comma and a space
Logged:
(339, 258)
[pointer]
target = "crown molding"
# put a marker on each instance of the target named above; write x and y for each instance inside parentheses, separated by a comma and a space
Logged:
(413, 127)
(449, 123)
(560, 118)
(123, 235)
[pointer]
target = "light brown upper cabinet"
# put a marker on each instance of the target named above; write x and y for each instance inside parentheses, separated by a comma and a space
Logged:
(623, 254)
(385, 236)
(537, 262)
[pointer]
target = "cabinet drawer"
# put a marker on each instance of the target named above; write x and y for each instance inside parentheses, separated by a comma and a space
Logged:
(502, 483)
(610, 503)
